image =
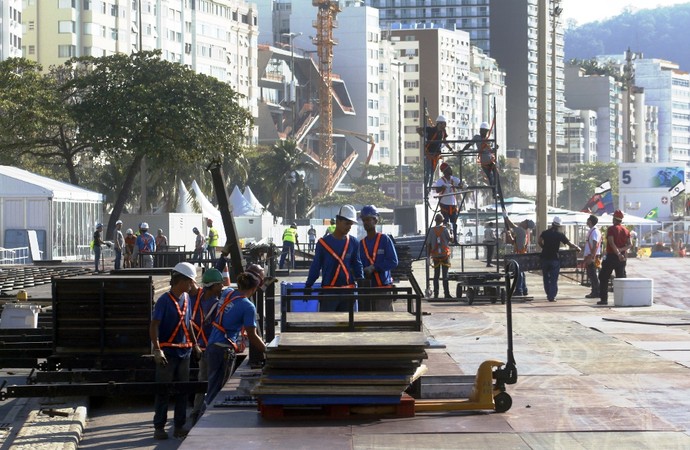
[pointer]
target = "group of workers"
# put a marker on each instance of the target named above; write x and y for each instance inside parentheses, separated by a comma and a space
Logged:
(210, 323)
(131, 249)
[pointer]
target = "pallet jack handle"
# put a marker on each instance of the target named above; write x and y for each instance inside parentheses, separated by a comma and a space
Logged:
(508, 373)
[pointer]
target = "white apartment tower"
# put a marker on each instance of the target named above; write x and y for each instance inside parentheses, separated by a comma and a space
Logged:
(10, 29)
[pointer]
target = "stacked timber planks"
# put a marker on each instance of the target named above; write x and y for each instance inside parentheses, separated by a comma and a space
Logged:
(356, 368)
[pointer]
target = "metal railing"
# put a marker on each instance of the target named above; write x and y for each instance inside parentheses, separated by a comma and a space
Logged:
(10, 256)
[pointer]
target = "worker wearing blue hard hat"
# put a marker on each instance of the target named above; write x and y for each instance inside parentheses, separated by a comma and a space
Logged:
(378, 255)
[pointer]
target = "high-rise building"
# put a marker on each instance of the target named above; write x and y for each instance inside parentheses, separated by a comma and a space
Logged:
(668, 88)
(213, 37)
(11, 43)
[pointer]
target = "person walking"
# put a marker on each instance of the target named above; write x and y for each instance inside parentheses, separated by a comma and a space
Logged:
(289, 241)
(97, 243)
(438, 250)
(211, 239)
(337, 260)
(145, 245)
(592, 254)
(379, 257)
(130, 242)
(205, 303)
(617, 243)
(199, 246)
(233, 327)
(173, 343)
(311, 237)
(520, 235)
(550, 241)
(447, 187)
(436, 137)
(119, 243)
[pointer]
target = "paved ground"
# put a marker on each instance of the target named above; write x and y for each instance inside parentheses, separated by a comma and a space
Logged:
(589, 377)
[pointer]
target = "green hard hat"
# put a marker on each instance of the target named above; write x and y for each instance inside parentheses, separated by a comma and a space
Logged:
(211, 277)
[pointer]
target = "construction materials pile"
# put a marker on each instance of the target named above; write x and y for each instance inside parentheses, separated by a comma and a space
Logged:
(357, 368)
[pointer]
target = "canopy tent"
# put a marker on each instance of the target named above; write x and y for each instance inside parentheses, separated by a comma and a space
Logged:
(184, 200)
(238, 204)
(256, 207)
(629, 219)
(209, 211)
(519, 209)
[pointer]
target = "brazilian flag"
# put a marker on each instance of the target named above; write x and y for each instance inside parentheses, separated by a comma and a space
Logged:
(653, 213)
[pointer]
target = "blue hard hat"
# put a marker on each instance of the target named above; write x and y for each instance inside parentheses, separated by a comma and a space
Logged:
(369, 211)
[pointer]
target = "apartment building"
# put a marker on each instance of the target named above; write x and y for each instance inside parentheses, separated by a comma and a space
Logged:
(11, 41)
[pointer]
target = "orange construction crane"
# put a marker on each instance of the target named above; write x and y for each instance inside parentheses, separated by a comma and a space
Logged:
(369, 139)
(324, 42)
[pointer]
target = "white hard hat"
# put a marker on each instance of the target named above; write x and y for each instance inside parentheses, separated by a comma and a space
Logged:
(441, 119)
(129, 231)
(119, 222)
(557, 221)
(348, 212)
(144, 226)
(185, 269)
(484, 126)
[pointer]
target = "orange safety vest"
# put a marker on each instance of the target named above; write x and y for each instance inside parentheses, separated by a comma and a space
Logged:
(217, 323)
(371, 259)
(182, 313)
(341, 265)
(198, 328)
(435, 252)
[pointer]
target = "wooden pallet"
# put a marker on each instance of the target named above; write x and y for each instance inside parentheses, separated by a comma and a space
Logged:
(338, 411)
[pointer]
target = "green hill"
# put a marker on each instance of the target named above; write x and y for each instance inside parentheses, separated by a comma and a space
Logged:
(657, 33)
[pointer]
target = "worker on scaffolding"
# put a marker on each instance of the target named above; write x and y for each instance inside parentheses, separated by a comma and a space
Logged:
(447, 188)
(435, 138)
(486, 153)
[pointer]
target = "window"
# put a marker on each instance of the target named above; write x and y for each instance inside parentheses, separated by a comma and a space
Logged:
(67, 3)
(66, 26)
(32, 49)
(31, 25)
(67, 51)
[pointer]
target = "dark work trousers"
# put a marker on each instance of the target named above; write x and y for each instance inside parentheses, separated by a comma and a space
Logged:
(610, 263)
(593, 278)
(441, 269)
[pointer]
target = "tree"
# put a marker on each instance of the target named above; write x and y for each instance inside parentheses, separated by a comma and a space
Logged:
(582, 182)
(133, 106)
(36, 130)
(280, 181)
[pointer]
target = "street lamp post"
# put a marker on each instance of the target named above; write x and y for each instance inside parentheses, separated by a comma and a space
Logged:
(293, 89)
(400, 66)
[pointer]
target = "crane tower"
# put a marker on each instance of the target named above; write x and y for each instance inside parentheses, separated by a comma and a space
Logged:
(324, 42)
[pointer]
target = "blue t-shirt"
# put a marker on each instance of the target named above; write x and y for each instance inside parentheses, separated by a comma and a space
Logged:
(166, 312)
(146, 243)
(326, 265)
(385, 259)
(206, 312)
(237, 314)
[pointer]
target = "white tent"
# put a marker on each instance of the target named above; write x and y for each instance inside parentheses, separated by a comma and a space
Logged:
(519, 209)
(256, 207)
(238, 204)
(184, 204)
(209, 211)
(628, 219)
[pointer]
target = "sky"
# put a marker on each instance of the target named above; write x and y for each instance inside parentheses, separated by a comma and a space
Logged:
(584, 11)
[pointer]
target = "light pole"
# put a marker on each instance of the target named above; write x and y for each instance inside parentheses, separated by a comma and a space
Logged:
(293, 89)
(555, 14)
(401, 70)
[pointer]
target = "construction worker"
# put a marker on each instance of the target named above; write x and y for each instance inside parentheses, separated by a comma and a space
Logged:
(97, 242)
(205, 303)
(199, 246)
(520, 236)
(119, 243)
(161, 241)
(379, 257)
(486, 153)
(173, 344)
(145, 245)
(447, 187)
(550, 241)
(435, 138)
(331, 227)
(211, 239)
(438, 251)
(617, 244)
(233, 326)
(311, 236)
(289, 240)
(130, 241)
(337, 260)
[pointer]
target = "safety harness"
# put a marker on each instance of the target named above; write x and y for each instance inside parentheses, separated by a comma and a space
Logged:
(147, 244)
(341, 265)
(371, 259)
(180, 324)
(199, 319)
(436, 251)
(217, 323)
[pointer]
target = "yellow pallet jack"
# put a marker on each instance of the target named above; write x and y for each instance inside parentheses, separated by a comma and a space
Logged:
(489, 389)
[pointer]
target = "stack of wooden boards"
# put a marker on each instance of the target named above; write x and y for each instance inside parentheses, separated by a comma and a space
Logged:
(356, 368)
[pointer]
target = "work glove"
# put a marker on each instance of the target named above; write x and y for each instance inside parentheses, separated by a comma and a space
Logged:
(198, 353)
(369, 271)
(160, 358)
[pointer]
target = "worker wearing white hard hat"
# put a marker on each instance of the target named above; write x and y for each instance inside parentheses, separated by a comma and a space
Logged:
(144, 246)
(119, 244)
(337, 259)
(173, 342)
(486, 149)
(435, 138)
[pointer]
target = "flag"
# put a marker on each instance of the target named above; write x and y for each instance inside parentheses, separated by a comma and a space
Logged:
(603, 187)
(677, 189)
(606, 202)
(653, 213)
(591, 203)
